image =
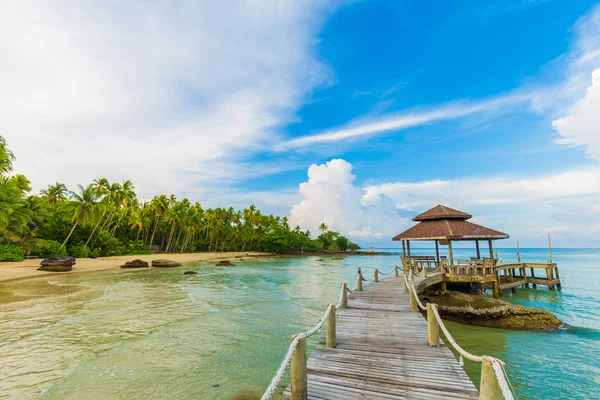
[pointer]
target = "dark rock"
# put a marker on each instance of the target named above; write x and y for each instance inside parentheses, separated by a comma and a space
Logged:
(135, 264)
(190, 273)
(239, 256)
(319, 259)
(225, 263)
(57, 264)
(337, 258)
(216, 386)
(161, 263)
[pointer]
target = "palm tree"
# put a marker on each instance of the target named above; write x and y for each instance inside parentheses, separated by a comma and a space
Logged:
(81, 206)
(6, 157)
(159, 206)
(55, 194)
(323, 228)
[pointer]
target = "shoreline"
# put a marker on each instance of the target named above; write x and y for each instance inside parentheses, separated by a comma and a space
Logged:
(11, 271)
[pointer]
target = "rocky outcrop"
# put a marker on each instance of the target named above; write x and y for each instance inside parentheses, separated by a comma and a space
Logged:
(135, 264)
(225, 263)
(190, 273)
(161, 263)
(337, 258)
(481, 310)
(57, 264)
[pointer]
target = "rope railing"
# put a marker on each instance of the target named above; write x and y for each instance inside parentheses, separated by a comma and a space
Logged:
(290, 353)
(496, 364)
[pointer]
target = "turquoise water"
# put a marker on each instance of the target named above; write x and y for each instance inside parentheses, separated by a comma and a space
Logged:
(156, 333)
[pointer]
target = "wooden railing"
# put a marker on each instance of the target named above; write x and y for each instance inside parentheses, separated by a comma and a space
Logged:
(422, 266)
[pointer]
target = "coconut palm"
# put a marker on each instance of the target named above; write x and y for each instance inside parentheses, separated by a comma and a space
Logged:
(80, 207)
(323, 228)
(55, 194)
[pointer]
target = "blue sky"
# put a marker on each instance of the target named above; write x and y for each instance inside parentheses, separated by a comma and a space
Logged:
(360, 114)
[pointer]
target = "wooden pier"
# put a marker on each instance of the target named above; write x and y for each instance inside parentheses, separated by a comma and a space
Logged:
(382, 352)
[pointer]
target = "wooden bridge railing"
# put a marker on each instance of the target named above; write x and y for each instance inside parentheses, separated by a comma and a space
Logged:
(422, 266)
(494, 384)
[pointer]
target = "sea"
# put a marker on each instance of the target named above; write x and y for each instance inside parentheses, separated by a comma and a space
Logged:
(221, 334)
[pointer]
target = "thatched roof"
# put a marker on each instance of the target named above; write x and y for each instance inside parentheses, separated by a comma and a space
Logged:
(443, 222)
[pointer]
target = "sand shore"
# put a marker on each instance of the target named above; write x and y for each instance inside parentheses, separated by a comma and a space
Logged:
(28, 268)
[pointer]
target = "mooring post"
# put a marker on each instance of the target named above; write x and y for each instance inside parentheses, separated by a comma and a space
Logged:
(550, 247)
(413, 300)
(298, 379)
(330, 339)
(489, 387)
(376, 275)
(404, 287)
(360, 281)
(344, 303)
(518, 253)
(433, 328)
(395, 270)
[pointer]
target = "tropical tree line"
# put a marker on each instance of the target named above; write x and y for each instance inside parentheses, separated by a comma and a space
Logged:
(106, 218)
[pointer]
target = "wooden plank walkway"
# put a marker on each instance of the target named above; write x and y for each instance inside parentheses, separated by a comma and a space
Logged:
(382, 353)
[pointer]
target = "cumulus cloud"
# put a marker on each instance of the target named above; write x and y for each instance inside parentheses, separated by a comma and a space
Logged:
(582, 125)
(565, 204)
(331, 196)
(163, 93)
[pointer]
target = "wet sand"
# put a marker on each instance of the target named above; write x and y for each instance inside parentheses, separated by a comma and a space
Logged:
(28, 268)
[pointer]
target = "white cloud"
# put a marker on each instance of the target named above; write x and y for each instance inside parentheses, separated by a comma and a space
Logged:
(565, 204)
(331, 196)
(369, 126)
(582, 125)
(166, 94)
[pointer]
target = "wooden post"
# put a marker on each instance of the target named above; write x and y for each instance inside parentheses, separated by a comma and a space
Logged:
(496, 286)
(478, 252)
(549, 277)
(360, 281)
(491, 250)
(403, 249)
(550, 247)
(344, 303)
(408, 247)
(444, 287)
(489, 387)
(437, 250)
(450, 253)
(413, 300)
(558, 285)
(518, 253)
(396, 271)
(404, 284)
(330, 339)
(376, 275)
(433, 328)
(298, 377)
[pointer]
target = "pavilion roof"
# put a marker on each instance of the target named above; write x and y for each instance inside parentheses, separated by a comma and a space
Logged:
(442, 212)
(443, 222)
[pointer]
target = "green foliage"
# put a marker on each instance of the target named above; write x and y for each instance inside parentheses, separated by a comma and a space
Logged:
(45, 248)
(11, 252)
(106, 219)
(79, 251)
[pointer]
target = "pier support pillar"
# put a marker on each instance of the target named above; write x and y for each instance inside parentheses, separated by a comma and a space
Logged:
(330, 337)
(359, 281)
(298, 378)
(549, 277)
(376, 275)
(433, 328)
(344, 302)
(395, 270)
(489, 388)
(444, 288)
(496, 289)
(514, 290)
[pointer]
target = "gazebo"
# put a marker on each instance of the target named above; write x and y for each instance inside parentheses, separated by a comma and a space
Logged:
(445, 225)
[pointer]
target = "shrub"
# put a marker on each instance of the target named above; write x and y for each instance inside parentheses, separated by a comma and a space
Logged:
(11, 252)
(95, 253)
(79, 251)
(46, 248)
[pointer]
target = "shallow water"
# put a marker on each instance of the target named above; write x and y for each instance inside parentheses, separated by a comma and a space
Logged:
(158, 334)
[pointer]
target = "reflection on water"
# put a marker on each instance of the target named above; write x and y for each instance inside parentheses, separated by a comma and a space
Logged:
(158, 334)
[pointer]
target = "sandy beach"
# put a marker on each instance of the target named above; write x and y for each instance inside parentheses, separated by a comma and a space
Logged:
(28, 268)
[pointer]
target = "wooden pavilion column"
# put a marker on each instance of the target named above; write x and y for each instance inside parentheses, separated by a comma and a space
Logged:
(437, 251)
(408, 247)
(403, 249)
(491, 250)
(478, 252)
(450, 252)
